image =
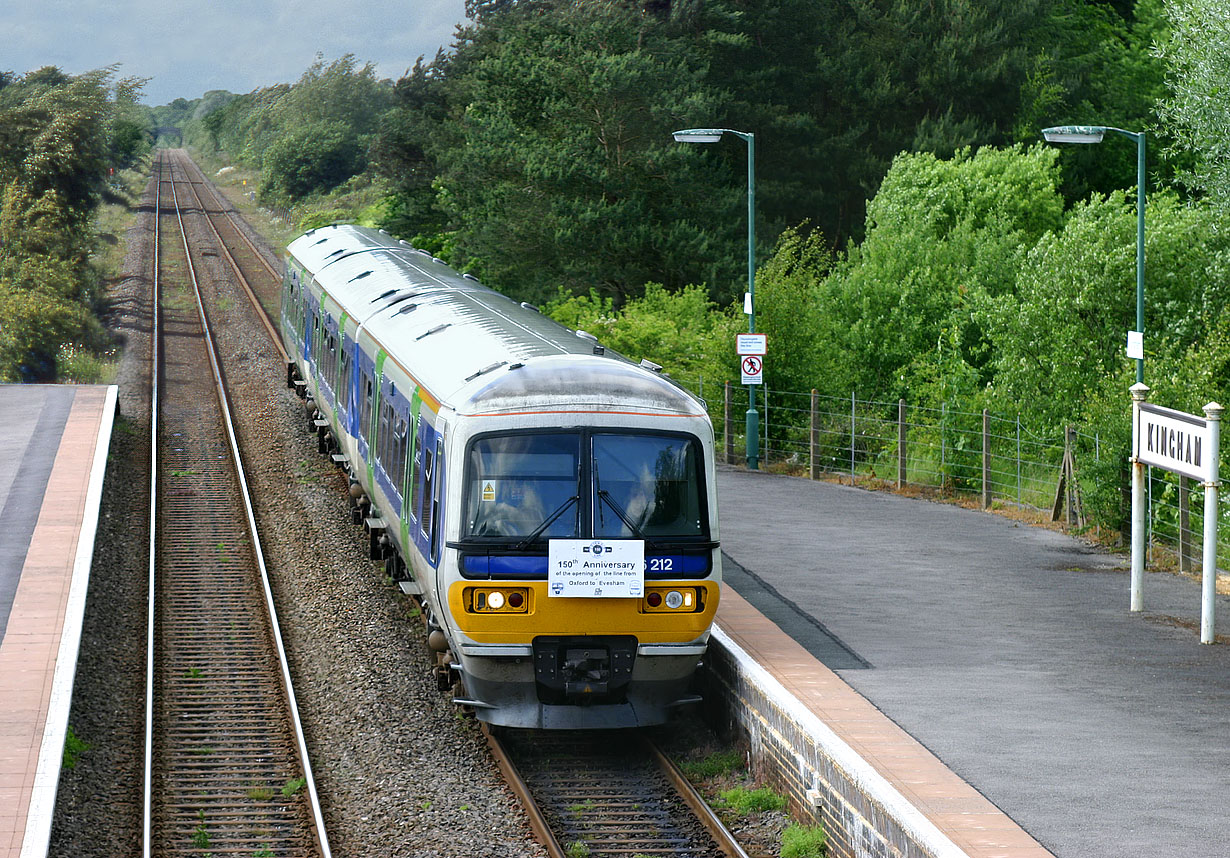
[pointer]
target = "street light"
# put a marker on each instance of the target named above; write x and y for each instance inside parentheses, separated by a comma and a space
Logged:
(713, 135)
(1094, 134)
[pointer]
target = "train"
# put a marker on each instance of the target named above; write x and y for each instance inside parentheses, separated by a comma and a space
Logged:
(548, 501)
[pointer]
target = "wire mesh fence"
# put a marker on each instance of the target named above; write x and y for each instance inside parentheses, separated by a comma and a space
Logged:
(953, 452)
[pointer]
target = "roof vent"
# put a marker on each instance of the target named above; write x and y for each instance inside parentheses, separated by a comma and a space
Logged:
(469, 276)
(437, 329)
(409, 308)
(650, 365)
(486, 370)
(320, 241)
(406, 243)
(359, 276)
(336, 252)
(599, 350)
(586, 335)
(383, 295)
(438, 259)
(528, 306)
(422, 251)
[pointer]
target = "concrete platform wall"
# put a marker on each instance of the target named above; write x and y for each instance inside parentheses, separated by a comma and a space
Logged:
(800, 757)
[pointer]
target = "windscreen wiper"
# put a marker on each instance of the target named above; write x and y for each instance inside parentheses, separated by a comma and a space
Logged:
(550, 520)
(604, 495)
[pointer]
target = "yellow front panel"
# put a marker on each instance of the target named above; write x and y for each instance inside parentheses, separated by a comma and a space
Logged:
(553, 615)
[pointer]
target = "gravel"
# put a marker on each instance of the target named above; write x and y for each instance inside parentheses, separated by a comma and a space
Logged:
(400, 771)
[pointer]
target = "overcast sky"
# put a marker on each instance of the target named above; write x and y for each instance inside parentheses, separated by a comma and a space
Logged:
(188, 47)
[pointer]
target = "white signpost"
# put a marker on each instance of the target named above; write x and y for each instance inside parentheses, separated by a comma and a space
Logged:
(596, 568)
(1183, 444)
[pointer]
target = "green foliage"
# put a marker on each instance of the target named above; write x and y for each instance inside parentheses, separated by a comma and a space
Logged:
(744, 801)
(73, 748)
(61, 135)
(309, 158)
(895, 313)
(683, 332)
(293, 786)
(1061, 335)
(556, 165)
(1197, 111)
(804, 841)
(714, 765)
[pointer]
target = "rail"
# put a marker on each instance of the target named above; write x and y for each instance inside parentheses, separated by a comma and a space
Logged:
(222, 747)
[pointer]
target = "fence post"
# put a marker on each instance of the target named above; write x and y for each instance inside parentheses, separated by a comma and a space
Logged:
(1018, 460)
(813, 448)
(1185, 533)
(901, 451)
(766, 425)
(729, 438)
(986, 459)
(851, 437)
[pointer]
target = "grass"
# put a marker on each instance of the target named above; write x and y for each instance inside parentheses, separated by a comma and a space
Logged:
(293, 786)
(260, 793)
(577, 849)
(73, 748)
(714, 765)
(744, 801)
(804, 841)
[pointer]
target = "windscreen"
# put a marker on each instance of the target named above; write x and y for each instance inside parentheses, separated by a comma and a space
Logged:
(645, 486)
(531, 487)
(516, 483)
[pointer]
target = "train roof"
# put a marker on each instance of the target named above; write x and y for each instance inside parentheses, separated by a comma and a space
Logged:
(472, 348)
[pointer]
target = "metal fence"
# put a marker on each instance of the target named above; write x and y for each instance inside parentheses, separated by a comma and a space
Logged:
(952, 452)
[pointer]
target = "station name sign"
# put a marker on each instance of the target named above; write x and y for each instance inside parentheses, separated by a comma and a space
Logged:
(1172, 440)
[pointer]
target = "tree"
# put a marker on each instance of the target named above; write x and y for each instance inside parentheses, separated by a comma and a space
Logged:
(556, 166)
(1197, 111)
(898, 308)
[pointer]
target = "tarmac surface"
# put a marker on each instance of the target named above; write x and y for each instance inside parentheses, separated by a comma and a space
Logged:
(1008, 651)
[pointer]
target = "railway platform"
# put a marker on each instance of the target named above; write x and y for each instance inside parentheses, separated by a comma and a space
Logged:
(987, 673)
(53, 455)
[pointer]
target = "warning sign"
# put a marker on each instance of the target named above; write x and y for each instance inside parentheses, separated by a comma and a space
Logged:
(753, 369)
(489, 491)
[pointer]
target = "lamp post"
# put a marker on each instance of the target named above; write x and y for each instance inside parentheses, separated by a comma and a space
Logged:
(1094, 134)
(713, 135)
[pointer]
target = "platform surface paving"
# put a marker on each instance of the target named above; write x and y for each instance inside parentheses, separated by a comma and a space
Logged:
(1005, 651)
(51, 465)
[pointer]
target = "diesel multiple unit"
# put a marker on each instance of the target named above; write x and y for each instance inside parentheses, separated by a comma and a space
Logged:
(548, 501)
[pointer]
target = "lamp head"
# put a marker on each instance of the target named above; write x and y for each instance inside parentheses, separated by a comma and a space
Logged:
(698, 135)
(1074, 134)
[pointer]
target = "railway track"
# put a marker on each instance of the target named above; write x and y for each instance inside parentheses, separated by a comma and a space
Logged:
(605, 795)
(226, 763)
(589, 794)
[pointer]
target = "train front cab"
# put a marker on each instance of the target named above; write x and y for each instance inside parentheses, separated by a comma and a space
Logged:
(533, 658)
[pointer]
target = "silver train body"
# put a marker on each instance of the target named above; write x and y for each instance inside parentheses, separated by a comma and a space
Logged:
(494, 456)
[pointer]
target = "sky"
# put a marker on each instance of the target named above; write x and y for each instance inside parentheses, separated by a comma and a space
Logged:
(188, 47)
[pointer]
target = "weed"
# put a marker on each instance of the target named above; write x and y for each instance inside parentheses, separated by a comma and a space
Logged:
(577, 849)
(716, 764)
(193, 673)
(184, 473)
(293, 786)
(260, 793)
(73, 748)
(425, 805)
(200, 837)
(804, 841)
(744, 801)
(581, 807)
(263, 852)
